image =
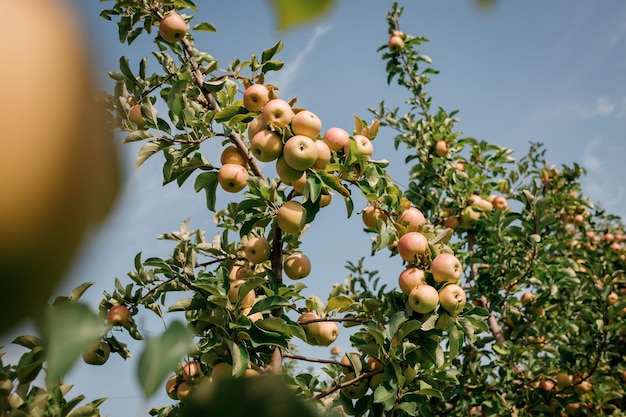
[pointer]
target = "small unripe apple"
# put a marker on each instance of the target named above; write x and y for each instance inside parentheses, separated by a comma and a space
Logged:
(173, 27)
(337, 139)
(277, 113)
(297, 266)
(119, 315)
(306, 123)
(300, 152)
(255, 97)
(232, 177)
(412, 245)
(232, 155)
(452, 299)
(266, 146)
(291, 216)
(97, 354)
(446, 268)
(257, 250)
(395, 43)
(423, 299)
(410, 278)
(412, 218)
(134, 115)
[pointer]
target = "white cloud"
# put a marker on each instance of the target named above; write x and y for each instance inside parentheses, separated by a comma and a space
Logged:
(599, 184)
(601, 107)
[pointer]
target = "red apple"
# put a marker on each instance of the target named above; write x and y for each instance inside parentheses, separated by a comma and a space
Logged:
(297, 266)
(410, 278)
(173, 27)
(337, 139)
(291, 216)
(446, 268)
(323, 155)
(255, 97)
(395, 43)
(546, 385)
(500, 203)
(300, 152)
(257, 250)
(412, 245)
(119, 315)
(412, 218)
(423, 299)
(276, 113)
(171, 386)
(452, 299)
(231, 155)
(232, 177)
(191, 371)
(266, 146)
(306, 123)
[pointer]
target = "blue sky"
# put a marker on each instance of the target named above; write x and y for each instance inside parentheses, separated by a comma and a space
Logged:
(551, 72)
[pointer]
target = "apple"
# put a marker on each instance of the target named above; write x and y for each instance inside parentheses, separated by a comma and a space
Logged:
(306, 123)
(323, 155)
(232, 155)
(325, 200)
(546, 385)
(564, 380)
(232, 177)
(452, 298)
(257, 250)
(297, 266)
(250, 373)
(612, 298)
(222, 370)
(412, 245)
(624, 376)
(119, 315)
(410, 278)
(134, 116)
(500, 203)
(192, 371)
(459, 165)
(442, 148)
(371, 215)
(255, 126)
(378, 379)
(326, 332)
(291, 217)
(395, 43)
(412, 218)
(171, 386)
(247, 300)
(337, 139)
(363, 144)
(255, 97)
(173, 27)
(477, 202)
(300, 152)
(572, 408)
(446, 268)
(97, 354)
(356, 390)
(286, 173)
(469, 217)
(183, 390)
(310, 329)
(528, 298)
(373, 363)
(266, 146)
(423, 299)
(300, 184)
(451, 222)
(582, 387)
(276, 113)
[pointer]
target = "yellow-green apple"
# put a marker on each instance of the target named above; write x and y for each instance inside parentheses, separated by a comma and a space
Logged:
(173, 27)
(412, 218)
(232, 177)
(97, 354)
(266, 146)
(291, 217)
(246, 300)
(446, 268)
(452, 299)
(442, 148)
(191, 371)
(410, 278)
(325, 200)
(323, 155)
(477, 202)
(255, 126)
(300, 152)
(423, 299)
(572, 408)
(300, 184)
(363, 144)
(118, 315)
(255, 97)
(306, 123)
(564, 380)
(257, 250)
(232, 155)
(371, 215)
(276, 113)
(356, 390)
(326, 332)
(412, 245)
(337, 139)
(297, 266)
(183, 390)
(469, 217)
(582, 387)
(395, 43)
(244, 272)
(134, 116)
(249, 373)
(286, 173)
(310, 329)
(170, 387)
(373, 363)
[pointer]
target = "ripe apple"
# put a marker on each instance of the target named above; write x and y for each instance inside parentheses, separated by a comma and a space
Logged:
(326, 332)
(612, 298)
(442, 148)
(192, 371)
(97, 354)
(183, 390)
(423, 299)
(247, 300)
(232, 177)
(297, 266)
(325, 200)
(171, 386)
(412, 245)
(452, 299)
(446, 268)
(231, 155)
(412, 218)
(356, 390)
(286, 173)
(451, 222)
(291, 217)
(255, 126)
(300, 184)
(119, 315)
(500, 203)
(363, 144)
(582, 387)
(255, 97)
(469, 217)
(410, 278)
(477, 202)
(564, 380)
(395, 43)
(306, 123)
(371, 215)
(257, 250)
(173, 27)
(323, 155)
(222, 370)
(546, 385)
(337, 139)
(276, 113)
(300, 152)
(134, 116)
(266, 146)
(528, 298)
(459, 165)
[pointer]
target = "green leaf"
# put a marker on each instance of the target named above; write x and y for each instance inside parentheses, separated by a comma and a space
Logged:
(138, 135)
(269, 304)
(208, 181)
(225, 115)
(28, 341)
(148, 150)
(269, 53)
(161, 356)
(291, 13)
(205, 27)
(80, 290)
(337, 302)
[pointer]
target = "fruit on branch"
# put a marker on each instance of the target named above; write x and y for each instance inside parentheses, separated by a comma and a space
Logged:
(173, 27)
(480, 204)
(363, 144)
(297, 266)
(451, 222)
(134, 116)
(446, 268)
(171, 385)
(459, 165)
(300, 184)
(276, 114)
(255, 126)
(119, 315)
(499, 202)
(286, 173)
(192, 371)
(266, 146)
(442, 148)
(232, 177)
(309, 328)
(412, 245)
(323, 155)
(371, 215)
(257, 250)
(378, 379)
(183, 390)
(232, 155)
(300, 152)
(291, 217)
(306, 123)
(452, 299)
(222, 370)
(395, 43)
(247, 299)
(528, 298)
(337, 139)
(326, 332)
(546, 385)
(373, 363)
(325, 200)
(412, 218)
(582, 387)
(423, 299)
(410, 278)
(469, 217)
(564, 380)
(256, 97)
(356, 390)
(572, 408)
(97, 354)
(612, 298)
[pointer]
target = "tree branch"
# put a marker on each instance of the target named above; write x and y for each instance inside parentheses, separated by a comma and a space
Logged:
(348, 383)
